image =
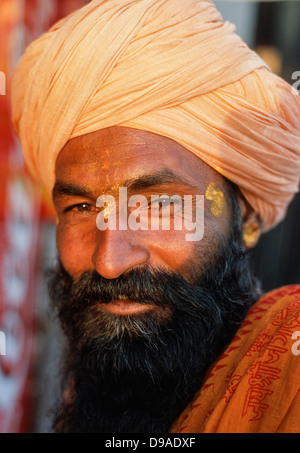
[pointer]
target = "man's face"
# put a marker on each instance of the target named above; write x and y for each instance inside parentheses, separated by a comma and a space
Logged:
(146, 164)
(145, 311)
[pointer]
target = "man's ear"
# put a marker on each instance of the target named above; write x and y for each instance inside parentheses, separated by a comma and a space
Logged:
(251, 223)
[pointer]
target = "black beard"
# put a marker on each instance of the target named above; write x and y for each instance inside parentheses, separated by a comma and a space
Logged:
(136, 374)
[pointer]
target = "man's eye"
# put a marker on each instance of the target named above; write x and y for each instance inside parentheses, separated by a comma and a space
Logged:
(164, 202)
(84, 207)
(81, 208)
(161, 202)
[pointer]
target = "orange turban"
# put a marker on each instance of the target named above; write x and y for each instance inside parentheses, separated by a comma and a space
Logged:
(171, 67)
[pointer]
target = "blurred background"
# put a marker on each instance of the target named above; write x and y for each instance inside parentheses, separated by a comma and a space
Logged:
(29, 370)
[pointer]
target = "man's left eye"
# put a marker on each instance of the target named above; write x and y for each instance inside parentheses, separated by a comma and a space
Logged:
(173, 202)
(162, 202)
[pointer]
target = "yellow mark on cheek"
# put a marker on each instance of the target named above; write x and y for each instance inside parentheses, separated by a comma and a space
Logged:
(216, 196)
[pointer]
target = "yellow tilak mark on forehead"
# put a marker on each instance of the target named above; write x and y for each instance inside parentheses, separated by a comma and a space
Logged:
(92, 167)
(216, 196)
(108, 209)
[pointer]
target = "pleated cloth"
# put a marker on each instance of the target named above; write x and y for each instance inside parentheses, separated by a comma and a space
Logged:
(171, 67)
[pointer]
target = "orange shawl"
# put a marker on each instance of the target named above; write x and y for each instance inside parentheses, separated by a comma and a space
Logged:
(254, 387)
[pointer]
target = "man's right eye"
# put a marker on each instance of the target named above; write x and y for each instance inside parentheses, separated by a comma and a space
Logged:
(82, 208)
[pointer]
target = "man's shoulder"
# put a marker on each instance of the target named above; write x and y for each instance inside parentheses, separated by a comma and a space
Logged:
(277, 307)
(274, 318)
(254, 384)
(284, 294)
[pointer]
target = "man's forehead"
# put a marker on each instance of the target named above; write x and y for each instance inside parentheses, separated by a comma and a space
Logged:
(114, 139)
(116, 154)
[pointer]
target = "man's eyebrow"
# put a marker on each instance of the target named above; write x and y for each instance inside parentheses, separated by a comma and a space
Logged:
(70, 189)
(162, 177)
(141, 182)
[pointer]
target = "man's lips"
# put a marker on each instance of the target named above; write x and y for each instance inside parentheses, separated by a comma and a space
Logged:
(126, 307)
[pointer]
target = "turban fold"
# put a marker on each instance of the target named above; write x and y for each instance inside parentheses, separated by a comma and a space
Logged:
(171, 67)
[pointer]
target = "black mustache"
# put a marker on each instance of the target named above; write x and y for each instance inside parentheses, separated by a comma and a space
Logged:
(157, 287)
(138, 286)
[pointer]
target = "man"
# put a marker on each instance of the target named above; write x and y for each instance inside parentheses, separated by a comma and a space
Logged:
(132, 113)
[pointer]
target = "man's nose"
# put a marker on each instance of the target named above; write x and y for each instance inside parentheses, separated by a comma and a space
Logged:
(116, 252)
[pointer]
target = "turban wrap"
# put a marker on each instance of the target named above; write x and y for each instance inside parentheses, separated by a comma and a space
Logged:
(171, 67)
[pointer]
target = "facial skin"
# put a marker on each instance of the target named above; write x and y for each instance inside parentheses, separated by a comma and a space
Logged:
(102, 162)
(144, 312)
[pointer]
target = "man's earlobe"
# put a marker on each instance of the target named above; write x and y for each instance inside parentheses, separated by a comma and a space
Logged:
(251, 233)
(251, 223)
